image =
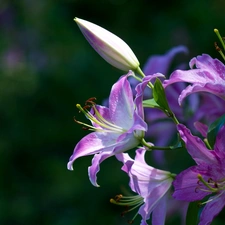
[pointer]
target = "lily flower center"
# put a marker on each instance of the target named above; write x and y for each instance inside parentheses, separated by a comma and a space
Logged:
(210, 185)
(130, 202)
(215, 187)
(101, 124)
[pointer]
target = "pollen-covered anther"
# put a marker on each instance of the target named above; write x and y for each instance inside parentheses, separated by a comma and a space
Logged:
(86, 107)
(118, 197)
(217, 47)
(91, 101)
(85, 128)
(125, 211)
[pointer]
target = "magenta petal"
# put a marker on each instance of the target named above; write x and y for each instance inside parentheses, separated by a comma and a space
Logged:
(209, 76)
(214, 88)
(196, 147)
(202, 128)
(212, 209)
(220, 143)
(185, 185)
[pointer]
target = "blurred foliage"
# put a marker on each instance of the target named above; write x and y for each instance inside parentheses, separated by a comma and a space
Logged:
(46, 67)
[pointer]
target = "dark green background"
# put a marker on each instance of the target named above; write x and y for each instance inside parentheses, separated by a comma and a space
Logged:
(46, 67)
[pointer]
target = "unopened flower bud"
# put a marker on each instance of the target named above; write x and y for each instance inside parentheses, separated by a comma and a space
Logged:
(113, 49)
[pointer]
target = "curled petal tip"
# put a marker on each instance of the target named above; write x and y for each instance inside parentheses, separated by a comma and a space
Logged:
(70, 166)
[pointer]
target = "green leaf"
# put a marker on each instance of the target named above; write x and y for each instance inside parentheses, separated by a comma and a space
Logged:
(214, 129)
(150, 103)
(192, 213)
(159, 95)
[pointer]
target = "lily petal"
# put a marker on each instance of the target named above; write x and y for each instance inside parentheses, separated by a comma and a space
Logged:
(212, 209)
(186, 184)
(209, 76)
(91, 144)
(161, 63)
(196, 147)
(95, 167)
(121, 104)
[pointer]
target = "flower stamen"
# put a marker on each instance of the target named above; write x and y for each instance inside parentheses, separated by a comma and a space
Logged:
(97, 118)
(221, 41)
(210, 184)
(128, 201)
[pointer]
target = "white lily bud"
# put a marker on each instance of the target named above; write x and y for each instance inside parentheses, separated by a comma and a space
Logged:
(112, 48)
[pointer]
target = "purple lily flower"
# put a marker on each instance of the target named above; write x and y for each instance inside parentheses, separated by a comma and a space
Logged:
(151, 184)
(206, 178)
(117, 128)
(196, 110)
(209, 76)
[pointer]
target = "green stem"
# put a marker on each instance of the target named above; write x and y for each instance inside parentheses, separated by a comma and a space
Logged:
(221, 53)
(173, 117)
(151, 147)
(139, 71)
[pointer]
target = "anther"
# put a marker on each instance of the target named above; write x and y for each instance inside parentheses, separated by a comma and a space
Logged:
(118, 197)
(210, 180)
(91, 101)
(196, 189)
(86, 107)
(215, 185)
(85, 128)
(217, 47)
(125, 211)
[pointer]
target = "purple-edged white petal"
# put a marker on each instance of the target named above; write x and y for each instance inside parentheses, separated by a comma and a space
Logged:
(140, 88)
(159, 213)
(116, 129)
(113, 49)
(121, 104)
(91, 144)
(149, 183)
